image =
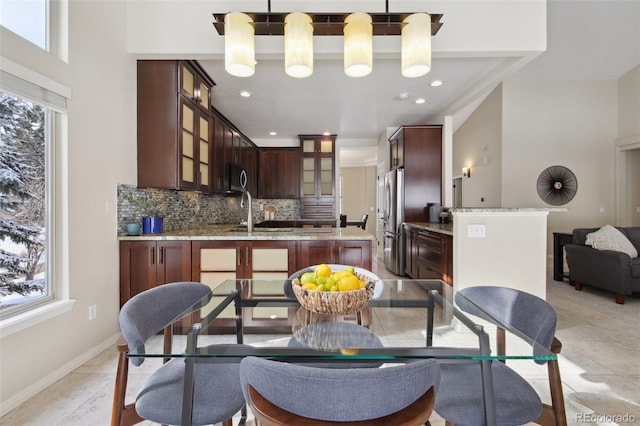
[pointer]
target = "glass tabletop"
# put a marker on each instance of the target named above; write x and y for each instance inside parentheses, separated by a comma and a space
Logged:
(404, 319)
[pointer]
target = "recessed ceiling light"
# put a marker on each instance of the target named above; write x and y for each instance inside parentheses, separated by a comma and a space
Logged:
(421, 100)
(403, 96)
(273, 133)
(245, 94)
(436, 83)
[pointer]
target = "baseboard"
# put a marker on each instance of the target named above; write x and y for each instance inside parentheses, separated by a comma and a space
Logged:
(48, 380)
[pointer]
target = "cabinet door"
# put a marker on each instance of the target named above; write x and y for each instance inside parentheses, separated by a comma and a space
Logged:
(218, 170)
(146, 264)
(279, 173)
(205, 152)
(188, 138)
(194, 85)
(409, 267)
(354, 253)
(315, 252)
(137, 268)
(174, 261)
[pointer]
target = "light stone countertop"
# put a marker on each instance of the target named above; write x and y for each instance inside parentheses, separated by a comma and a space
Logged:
(235, 232)
(441, 228)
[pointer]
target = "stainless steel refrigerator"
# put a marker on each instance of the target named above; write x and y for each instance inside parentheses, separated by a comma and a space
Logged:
(393, 217)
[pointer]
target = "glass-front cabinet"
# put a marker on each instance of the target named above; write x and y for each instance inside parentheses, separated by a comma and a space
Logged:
(317, 186)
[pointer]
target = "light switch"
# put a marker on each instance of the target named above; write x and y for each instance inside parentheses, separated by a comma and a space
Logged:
(476, 230)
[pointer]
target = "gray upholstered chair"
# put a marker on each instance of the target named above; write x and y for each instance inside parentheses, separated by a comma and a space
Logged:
(281, 393)
(217, 393)
(460, 399)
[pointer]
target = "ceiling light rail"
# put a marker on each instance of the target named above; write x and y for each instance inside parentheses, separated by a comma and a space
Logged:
(327, 24)
(298, 29)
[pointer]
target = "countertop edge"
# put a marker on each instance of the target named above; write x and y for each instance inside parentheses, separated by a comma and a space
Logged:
(441, 228)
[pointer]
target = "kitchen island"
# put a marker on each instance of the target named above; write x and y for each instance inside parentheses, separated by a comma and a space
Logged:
(428, 250)
(215, 253)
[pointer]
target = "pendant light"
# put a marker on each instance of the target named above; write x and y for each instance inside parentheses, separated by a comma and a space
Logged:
(239, 50)
(416, 45)
(358, 45)
(298, 45)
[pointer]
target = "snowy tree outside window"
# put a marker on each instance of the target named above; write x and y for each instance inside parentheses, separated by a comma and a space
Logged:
(22, 201)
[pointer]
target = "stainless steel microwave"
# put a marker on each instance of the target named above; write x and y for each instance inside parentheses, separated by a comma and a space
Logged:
(236, 178)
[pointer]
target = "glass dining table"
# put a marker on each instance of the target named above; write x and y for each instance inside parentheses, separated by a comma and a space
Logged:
(404, 320)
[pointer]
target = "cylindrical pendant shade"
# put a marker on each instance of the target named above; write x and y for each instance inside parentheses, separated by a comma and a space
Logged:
(358, 45)
(416, 45)
(298, 45)
(239, 50)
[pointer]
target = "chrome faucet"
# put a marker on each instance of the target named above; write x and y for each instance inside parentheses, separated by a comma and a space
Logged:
(249, 212)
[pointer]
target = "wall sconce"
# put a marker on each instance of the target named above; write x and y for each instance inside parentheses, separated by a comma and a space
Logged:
(466, 172)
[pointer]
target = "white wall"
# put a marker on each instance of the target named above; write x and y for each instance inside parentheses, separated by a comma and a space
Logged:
(629, 103)
(478, 138)
(511, 254)
(359, 185)
(101, 152)
(544, 123)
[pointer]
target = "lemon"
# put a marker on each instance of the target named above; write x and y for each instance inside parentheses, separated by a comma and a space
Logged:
(323, 270)
(320, 287)
(348, 283)
(362, 284)
(309, 286)
(308, 277)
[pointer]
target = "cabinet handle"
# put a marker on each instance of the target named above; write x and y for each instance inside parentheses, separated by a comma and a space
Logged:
(161, 261)
(238, 260)
(152, 255)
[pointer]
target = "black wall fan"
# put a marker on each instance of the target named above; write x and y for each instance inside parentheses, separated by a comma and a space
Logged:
(557, 185)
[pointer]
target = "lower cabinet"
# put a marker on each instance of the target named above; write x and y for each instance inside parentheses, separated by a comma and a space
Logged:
(344, 252)
(147, 264)
(216, 261)
(429, 255)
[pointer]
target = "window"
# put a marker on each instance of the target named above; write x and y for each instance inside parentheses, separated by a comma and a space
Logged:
(28, 19)
(25, 132)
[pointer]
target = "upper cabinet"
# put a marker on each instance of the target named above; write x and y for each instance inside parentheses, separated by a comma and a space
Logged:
(418, 149)
(279, 173)
(230, 146)
(175, 126)
(317, 180)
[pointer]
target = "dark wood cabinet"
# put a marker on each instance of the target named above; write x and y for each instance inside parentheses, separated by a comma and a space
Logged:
(147, 264)
(344, 252)
(175, 131)
(429, 255)
(317, 177)
(279, 173)
(231, 146)
(418, 149)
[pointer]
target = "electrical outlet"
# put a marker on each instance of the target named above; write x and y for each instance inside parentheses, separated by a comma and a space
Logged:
(476, 230)
(92, 312)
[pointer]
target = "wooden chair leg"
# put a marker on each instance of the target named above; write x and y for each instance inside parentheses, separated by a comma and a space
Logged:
(578, 285)
(122, 414)
(227, 422)
(620, 299)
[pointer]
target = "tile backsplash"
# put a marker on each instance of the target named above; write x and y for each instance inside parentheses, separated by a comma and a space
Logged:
(184, 210)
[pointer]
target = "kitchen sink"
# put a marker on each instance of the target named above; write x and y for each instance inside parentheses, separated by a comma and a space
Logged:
(244, 229)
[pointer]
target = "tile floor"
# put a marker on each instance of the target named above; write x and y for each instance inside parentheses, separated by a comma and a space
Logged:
(599, 366)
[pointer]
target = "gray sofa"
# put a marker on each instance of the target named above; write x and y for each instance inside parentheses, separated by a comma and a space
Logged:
(605, 269)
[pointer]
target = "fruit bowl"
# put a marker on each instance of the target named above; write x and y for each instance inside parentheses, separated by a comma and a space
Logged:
(335, 302)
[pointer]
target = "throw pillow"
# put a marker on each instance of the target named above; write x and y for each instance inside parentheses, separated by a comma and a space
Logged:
(610, 238)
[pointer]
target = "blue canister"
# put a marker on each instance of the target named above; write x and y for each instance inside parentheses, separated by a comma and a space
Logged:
(152, 225)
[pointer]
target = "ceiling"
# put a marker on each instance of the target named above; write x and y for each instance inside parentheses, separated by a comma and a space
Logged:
(586, 40)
